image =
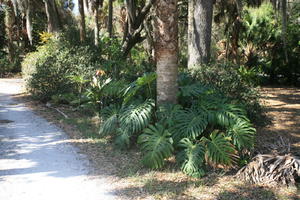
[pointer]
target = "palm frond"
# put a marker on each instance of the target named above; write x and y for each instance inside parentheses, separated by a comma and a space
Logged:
(156, 142)
(192, 158)
(219, 149)
(242, 134)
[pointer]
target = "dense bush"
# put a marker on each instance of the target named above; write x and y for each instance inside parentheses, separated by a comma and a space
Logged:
(262, 44)
(48, 70)
(227, 80)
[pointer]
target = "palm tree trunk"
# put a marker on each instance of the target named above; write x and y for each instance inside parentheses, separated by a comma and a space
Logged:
(200, 25)
(166, 50)
(82, 20)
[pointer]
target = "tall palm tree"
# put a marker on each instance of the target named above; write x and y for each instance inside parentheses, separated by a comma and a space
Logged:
(166, 50)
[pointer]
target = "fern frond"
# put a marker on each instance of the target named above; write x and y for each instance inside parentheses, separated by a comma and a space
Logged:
(192, 158)
(242, 134)
(137, 117)
(189, 124)
(219, 149)
(156, 142)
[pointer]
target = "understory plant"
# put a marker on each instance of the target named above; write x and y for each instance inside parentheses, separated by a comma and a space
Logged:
(209, 129)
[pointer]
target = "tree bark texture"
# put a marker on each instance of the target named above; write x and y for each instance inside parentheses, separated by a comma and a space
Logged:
(52, 16)
(82, 20)
(134, 24)
(200, 25)
(166, 50)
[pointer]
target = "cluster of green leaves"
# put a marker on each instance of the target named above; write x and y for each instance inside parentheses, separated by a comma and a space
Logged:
(262, 43)
(228, 81)
(53, 68)
(210, 130)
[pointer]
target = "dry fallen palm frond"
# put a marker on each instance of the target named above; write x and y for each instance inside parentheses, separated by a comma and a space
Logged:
(271, 170)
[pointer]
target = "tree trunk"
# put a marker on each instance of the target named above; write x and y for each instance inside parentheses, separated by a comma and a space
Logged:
(166, 50)
(284, 28)
(28, 21)
(110, 18)
(9, 22)
(200, 25)
(96, 19)
(82, 20)
(52, 16)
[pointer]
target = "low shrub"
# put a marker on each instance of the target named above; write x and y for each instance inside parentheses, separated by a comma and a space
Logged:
(48, 71)
(227, 80)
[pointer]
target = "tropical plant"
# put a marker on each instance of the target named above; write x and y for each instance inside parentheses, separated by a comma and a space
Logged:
(126, 120)
(157, 144)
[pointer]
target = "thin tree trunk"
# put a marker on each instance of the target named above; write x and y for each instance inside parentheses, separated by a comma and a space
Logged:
(110, 18)
(200, 23)
(82, 20)
(284, 28)
(96, 19)
(28, 21)
(52, 16)
(9, 21)
(166, 50)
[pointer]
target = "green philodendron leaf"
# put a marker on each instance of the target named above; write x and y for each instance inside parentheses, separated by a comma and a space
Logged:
(157, 144)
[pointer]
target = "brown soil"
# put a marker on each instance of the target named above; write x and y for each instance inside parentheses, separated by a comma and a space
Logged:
(283, 110)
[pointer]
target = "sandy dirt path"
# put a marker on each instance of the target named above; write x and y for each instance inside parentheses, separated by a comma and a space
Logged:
(283, 110)
(36, 162)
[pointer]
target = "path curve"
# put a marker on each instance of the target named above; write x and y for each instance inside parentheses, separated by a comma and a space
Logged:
(36, 162)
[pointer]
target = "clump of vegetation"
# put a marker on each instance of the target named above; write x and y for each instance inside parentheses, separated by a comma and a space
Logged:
(210, 130)
(48, 70)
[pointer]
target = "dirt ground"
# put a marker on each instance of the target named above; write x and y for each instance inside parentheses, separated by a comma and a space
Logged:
(131, 180)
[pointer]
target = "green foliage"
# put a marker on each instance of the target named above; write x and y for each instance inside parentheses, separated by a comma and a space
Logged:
(143, 83)
(47, 71)
(242, 134)
(225, 80)
(126, 120)
(156, 143)
(219, 149)
(192, 158)
(263, 45)
(190, 124)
